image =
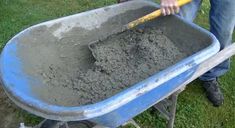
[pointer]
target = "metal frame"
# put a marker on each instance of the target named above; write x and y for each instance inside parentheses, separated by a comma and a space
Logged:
(167, 108)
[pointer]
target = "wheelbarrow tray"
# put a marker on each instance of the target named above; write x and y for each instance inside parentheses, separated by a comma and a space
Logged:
(100, 23)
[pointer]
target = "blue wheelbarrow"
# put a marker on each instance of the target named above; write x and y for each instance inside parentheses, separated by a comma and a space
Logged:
(120, 108)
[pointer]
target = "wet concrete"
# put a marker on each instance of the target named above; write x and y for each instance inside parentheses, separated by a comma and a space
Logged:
(72, 74)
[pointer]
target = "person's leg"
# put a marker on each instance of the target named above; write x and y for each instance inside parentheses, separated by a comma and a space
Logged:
(189, 11)
(222, 21)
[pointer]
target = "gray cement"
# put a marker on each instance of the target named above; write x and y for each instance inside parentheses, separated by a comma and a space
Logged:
(70, 74)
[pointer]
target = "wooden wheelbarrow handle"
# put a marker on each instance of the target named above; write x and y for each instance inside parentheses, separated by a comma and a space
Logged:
(152, 15)
(207, 65)
(215, 60)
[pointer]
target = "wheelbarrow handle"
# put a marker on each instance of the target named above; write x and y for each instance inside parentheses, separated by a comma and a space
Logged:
(207, 65)
(210, 63)
(152, 15)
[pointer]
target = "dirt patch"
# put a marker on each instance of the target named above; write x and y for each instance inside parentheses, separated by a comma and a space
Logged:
(72, 74)
(8, 112)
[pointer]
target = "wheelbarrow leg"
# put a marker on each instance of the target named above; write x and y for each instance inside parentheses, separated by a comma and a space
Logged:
(132, 122)
(167, 108)
(172, 110)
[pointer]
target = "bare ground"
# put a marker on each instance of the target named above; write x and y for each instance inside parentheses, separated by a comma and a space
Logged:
(8, 112)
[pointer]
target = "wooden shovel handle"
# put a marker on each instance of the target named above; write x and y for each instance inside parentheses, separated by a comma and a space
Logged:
(153, 15)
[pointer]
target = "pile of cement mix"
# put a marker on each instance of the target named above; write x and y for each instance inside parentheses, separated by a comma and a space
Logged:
(118, 62)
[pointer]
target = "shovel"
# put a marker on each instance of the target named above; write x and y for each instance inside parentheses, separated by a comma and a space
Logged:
(141, 20)
(150, 16)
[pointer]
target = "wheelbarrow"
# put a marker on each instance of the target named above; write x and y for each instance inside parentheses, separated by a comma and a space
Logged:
(99, 23)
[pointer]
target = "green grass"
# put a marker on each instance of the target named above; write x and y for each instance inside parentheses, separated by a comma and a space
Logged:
(28, 119)
(193, 109)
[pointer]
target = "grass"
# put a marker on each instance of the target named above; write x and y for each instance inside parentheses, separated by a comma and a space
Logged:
(193, 109)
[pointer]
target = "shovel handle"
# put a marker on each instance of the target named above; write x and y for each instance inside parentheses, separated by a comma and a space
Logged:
(153, 15)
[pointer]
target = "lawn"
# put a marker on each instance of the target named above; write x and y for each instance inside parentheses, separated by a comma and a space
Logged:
(193, 109)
